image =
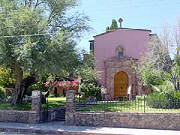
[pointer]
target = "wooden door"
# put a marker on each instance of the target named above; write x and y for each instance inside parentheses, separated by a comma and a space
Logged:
(121, 83)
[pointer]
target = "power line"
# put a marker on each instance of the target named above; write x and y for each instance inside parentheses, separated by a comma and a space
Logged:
(169, 26)
(8, 27)
(29, 35)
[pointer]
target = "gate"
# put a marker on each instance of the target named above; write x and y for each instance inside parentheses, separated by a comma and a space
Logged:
(60, 114)
(51, 114)
(44, 106)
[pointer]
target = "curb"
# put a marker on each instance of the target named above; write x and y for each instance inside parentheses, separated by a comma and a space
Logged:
(26, 130)
(49, 132)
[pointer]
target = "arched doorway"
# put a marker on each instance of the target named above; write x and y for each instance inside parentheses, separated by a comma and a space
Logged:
(121, 83)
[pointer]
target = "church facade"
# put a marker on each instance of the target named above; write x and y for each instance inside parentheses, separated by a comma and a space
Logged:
(115, 53)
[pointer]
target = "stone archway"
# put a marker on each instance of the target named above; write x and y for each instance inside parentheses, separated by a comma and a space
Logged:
(121, 84)
(115, 65)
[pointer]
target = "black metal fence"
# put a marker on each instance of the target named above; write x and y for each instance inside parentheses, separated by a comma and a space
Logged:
(141, 104)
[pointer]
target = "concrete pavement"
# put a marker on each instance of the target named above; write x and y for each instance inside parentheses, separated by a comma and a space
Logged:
(59, 128)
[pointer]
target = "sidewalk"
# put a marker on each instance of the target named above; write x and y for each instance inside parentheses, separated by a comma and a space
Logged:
(61, 129)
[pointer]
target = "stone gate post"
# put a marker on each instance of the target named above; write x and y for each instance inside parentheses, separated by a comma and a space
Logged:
(70, 107)
(36, 105)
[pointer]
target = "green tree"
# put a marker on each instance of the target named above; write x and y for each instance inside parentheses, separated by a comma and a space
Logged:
(88, 77)
(148, 75)
(158, 54)
(174, 74)
(38, 36)
(153, 67)
(113, 26)
(107, 28)
(159, 62)
(6, 78)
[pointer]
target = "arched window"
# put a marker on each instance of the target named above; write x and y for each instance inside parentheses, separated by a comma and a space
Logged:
(120, 52)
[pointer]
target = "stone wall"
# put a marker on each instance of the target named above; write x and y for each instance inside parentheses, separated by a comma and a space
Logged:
(126, 120)
(19, 116)
(26, 116)
(70, 107)
(33, 116)
(169, 121)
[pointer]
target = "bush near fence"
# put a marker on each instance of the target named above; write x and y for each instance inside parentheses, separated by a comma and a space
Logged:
(2, 92)
(169, 100)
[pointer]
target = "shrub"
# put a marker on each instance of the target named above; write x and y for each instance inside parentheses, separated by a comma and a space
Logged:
(177, 95)
(29, 90)
(156, 100)
(140, 97)
(6, 78)
(2, 92)
(37, 86)
(165, 88)
(170, 100)
(88, 77)
(90, 90)
(148, 75)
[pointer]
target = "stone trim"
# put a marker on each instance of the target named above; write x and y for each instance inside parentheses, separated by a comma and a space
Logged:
(114, 65)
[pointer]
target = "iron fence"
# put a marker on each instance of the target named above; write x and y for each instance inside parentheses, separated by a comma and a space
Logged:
(141, 104)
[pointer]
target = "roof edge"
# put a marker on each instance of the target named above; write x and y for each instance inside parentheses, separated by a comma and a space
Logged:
(123, 29)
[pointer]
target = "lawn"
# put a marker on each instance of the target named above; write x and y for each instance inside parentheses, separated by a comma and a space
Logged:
(21, 107)
(126, 106)
(53, 102)
(102, 106)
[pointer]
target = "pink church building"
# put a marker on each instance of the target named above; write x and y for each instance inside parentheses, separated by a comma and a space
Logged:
(115, 52)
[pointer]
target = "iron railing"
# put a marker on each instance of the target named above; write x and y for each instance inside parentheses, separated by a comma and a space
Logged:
(141, 104)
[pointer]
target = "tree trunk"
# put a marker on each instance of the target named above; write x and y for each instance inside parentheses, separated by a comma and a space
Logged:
(22, 85)
(25, 84)
(19, 77)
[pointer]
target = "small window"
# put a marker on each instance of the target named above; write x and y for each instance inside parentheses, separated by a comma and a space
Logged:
(121, 55)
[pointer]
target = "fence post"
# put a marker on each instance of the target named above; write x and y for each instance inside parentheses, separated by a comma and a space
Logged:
(70, 107)
(36, 106)
(144, 104)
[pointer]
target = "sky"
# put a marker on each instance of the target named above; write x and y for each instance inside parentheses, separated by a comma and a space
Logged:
(140, 14)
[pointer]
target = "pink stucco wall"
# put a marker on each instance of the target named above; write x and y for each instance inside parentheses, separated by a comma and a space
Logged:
(132, 40)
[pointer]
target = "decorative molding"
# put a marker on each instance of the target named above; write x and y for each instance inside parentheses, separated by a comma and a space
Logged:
(114, 65)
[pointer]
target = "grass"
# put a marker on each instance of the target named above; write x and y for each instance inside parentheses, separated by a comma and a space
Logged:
(126, 106)
(53, 102)
(5, 106)
(120, 106)
(21, 107)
